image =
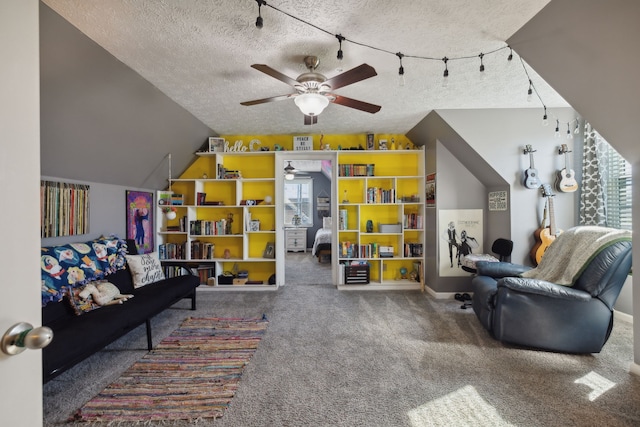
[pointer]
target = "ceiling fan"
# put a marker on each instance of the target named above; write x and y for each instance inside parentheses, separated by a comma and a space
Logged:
(313, 89)
(291, 171)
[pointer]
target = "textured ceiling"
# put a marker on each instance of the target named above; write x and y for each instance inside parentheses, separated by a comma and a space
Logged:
(199, 53)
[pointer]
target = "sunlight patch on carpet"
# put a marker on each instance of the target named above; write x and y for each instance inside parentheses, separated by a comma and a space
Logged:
(192, 374)
(597, 383)
(461, 407)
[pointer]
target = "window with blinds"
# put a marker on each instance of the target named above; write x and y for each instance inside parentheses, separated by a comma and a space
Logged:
(618, 190)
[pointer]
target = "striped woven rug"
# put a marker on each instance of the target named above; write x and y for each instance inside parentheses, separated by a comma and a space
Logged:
(192, 374)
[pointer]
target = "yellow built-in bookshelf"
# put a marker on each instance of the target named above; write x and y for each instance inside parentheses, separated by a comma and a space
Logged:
(390, 197)
(214, 223)
(400, 172)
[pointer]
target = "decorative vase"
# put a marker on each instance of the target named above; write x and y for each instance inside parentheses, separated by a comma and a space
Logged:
(369, 226)
(170, 215)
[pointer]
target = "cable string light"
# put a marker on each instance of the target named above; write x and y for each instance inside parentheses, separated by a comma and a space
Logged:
(445, 74)
(259, 21)
(340, 40)
(531, 90)
(401, 69)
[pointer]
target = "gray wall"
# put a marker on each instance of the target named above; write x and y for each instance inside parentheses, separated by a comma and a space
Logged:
(101, 121)
(489, 144)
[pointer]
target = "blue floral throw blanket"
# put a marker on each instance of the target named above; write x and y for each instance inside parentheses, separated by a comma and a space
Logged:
(76, 264)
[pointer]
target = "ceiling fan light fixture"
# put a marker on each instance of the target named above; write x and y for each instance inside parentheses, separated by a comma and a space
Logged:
(311, 104)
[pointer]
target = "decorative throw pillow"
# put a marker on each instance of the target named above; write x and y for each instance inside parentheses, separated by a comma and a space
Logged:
(145, 269)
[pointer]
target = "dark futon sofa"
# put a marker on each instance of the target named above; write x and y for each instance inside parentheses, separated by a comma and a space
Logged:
(81, 329)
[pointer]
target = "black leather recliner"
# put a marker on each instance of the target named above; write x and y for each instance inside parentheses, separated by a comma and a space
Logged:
(540, 314)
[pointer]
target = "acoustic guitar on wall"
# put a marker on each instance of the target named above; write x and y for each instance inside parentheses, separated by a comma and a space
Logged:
(565, 178)
(531, 179)
(544, 235)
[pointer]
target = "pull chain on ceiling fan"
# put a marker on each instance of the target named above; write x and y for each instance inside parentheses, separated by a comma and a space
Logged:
(313, 89)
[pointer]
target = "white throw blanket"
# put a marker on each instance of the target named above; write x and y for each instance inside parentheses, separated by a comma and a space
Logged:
(571, 251)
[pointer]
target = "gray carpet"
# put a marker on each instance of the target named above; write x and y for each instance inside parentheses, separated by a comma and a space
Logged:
(347, 358)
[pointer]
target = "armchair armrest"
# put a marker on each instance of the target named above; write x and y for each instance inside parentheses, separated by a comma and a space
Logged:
(544, 288)
(500, 269)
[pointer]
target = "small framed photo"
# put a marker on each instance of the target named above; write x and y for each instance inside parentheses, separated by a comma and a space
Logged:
(382, 144)
(216, 145)
(269, 250)
(254, 225)
(370, 143)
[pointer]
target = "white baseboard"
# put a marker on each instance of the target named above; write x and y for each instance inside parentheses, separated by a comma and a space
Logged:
(634, 368)
(618, 315)
(443, 295)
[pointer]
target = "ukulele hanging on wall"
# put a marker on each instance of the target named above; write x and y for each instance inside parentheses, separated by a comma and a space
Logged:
(531, 179)
(565, 178)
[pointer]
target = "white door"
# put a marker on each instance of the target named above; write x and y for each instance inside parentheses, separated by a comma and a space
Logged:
(21, 377)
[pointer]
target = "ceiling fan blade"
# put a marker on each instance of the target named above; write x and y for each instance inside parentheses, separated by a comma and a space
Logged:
(275, 74)
(273, 98)
(310, 120)
(354, 75)
(354, 103)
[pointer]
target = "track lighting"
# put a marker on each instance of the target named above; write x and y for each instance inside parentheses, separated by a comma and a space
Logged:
(545, 120)
(577, 129)
(340, 40)
(530, 92)
(259, 18)
(569, 134)
(401, 69)
(481, 63)
(510, 57)
(557, 128)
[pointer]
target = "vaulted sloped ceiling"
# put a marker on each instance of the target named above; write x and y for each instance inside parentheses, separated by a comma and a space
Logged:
(199, 53)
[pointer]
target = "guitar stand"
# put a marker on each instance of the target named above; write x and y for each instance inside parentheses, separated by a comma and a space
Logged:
(465, 299)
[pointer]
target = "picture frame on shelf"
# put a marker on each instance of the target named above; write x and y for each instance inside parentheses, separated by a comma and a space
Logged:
(254, 225)
(139, 217)
(269, 250)
(370, 142)
(216, 145)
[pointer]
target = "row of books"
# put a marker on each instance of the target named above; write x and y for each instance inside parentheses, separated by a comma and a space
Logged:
(379, 195)
(413, 221)
(370, 250)
(172, 251)
(356, 169)
(181, 227)
(413, 250)
(202, 250)
(201, 200)
(201, 227)
(224, 173)
(64, 209)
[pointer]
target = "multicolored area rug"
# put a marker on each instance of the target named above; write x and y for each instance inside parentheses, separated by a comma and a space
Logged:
(192, 374)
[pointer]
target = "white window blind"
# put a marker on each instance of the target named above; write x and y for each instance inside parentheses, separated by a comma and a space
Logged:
(618, 190)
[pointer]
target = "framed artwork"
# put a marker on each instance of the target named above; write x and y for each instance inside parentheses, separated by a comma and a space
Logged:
(140, 219)
(460, 233)
(216, 145)
(269, 250)
(254, 225)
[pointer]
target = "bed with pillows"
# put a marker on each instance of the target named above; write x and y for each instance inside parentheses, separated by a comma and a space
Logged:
(80, 325)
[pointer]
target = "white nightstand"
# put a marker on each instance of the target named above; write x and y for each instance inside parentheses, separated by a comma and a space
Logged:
(296, 239)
